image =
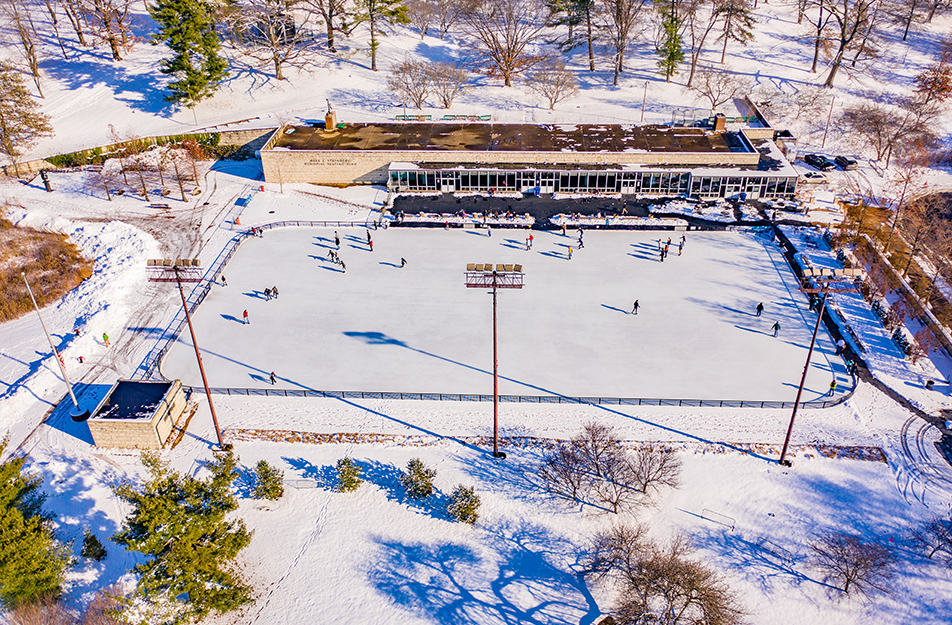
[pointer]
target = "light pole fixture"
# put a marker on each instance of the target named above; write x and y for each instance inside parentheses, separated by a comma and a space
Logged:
(819, 282)
(77, 413)
(501, 277)
(179, 271)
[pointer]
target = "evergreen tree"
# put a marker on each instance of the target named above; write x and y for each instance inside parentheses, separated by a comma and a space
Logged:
(32, 562)
(378, 14)
(348, 475)
(671, 50)
(178, 523)
(188, 28)
(269, 483)
(464, 504)
(418, 480)
(92, 547)
(21, 121)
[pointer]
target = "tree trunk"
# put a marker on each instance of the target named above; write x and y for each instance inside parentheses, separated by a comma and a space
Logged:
(912, 12)
(36, 81)
(837, 61)
(330, 36)
(145, 191)
(724, 49)
(591, 50)
(278, 74)
(373, 45)
(74, 20)
(816, 44)
(178, 177)
(507, 78)
(114, 46)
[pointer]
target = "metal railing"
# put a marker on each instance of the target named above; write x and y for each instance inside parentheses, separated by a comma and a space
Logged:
(522, 399)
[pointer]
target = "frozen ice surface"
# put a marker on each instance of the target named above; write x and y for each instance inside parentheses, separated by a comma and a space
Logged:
(380, 327)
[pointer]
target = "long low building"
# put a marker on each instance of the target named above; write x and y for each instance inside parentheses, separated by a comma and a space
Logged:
(539, 159)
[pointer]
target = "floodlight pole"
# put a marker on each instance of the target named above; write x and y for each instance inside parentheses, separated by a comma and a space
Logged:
(495, 375)
(803, 379)
(78, 414)
(198, 356)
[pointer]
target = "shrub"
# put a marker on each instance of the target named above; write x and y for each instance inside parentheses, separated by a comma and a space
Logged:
(92, 548)
(269, 482)
(348, 475)
(418, 480)
(464, 504)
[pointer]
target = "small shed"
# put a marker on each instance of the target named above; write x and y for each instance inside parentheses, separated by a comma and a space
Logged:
(138, 414)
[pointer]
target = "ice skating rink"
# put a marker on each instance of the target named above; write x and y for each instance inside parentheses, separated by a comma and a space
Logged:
(569, 331)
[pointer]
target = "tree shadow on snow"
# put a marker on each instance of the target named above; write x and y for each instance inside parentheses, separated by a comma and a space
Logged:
(525, 579)
(387, 478)
(324, 476)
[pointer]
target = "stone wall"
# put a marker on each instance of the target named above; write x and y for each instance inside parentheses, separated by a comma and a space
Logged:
(344, 167)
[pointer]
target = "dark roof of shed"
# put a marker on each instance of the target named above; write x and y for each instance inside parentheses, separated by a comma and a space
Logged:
(511, 138)
(133, 400)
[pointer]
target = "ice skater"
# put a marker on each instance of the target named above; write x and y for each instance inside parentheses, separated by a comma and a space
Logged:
(244, 317)
(832, 387)
(776, 329)
(267, 295)
(581, 244)
(680, 247)
(563, 229)
(105, 339)
(527, 244)
(570, 252)
(332, 255)
(368, 237)
(634, 309)
(662, 254)
(403, 262)
(343, 267)
(274, 292)
(223, 281)
(489, 231)
(336, 240)
(371, 246)
(760, 309)
(273, 379)
(531, 239)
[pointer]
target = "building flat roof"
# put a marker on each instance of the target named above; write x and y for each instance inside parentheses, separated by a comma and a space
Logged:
(130, 399)
(471, 137)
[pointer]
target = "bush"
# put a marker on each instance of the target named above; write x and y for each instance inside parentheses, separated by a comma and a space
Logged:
(464, 506)
(92, 548)
(418, 480)
(348, 475)
(269, 482)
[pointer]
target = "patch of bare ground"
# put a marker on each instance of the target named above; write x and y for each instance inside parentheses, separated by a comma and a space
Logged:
(52, 264)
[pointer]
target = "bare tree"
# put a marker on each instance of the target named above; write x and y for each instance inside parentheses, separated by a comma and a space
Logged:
(104, 609)
(74, 13)
(506, 30)
(820, 21)
(935, 537)
(923, 217)
(410, 80)
(655, 469)
(699, 20)
(553, 81)
(660, 584)
(447, 80)
(907, 13)
(850, 19)
(46, 611)
(934, 84)
(616, 487)
(563, 473)
(718, 86)
(851, 564)
(19, 15)
(449, 12)
(54, 22)
(333, 13)
(622, 19)
(886, 127)
(597, 444)
(273, 35)
(422, 14)
(109, 21)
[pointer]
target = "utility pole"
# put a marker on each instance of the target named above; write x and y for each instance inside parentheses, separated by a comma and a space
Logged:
(502, 277)
(179, 271)
(823, 282)
(77, 414)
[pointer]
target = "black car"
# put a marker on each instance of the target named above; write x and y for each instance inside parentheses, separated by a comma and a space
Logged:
(820, 162)
(845, 163)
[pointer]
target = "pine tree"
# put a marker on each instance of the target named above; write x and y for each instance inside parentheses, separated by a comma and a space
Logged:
(348, 475)
(32, 562)
(178, 523)
(378, 14)
(92, 547)
(269, 483)
(188, 28)
(21, 121)
(418, 480)
(671, 50)
(464, 504)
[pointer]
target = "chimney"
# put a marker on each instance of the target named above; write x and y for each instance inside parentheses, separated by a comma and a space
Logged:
(330, 120)
(720, 122)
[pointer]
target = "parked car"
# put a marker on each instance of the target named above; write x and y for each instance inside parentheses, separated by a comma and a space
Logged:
(813, 176)
(820, 162)
(846, 164)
